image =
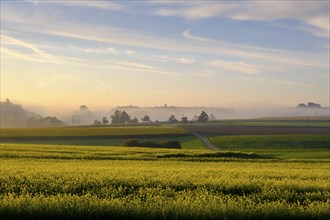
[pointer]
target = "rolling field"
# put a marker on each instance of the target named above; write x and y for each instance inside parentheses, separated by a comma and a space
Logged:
(99, 136)
(312, 121)
(299, 146)
(83, 182)
(249, 177)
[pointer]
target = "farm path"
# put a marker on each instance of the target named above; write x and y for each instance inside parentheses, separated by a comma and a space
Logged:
(206, 142)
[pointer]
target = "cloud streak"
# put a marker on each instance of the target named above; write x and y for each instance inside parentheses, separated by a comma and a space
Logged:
(239, 66)
(105, 5)
(311, 13)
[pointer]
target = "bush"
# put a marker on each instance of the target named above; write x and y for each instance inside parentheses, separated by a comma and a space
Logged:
(150, 144)
(131, 143)
(171, 144)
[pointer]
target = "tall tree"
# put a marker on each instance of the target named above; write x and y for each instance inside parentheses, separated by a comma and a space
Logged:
(124, 118)
(203, 117)
(115, 118)
(105, 121)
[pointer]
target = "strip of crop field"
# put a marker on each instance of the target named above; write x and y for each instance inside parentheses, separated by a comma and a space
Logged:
(271, 122)
(38, 187)
(303, 146)
(90, 132)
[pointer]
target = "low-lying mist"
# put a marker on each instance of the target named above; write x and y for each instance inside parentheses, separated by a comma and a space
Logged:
(15, 115)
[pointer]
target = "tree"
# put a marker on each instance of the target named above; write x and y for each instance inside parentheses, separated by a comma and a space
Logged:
(115, 118)
(203, 117)
(184, 120)
(135, 121)
(105, 121)
(212, 117)
(124, 118)
(172, 119)
(38, 121)
(120, 117)
(83, 108)
(145, 118)
(97, 123)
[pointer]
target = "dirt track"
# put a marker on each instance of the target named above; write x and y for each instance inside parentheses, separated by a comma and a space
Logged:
(255, 130)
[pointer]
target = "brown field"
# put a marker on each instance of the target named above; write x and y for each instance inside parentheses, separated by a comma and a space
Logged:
(255, 130)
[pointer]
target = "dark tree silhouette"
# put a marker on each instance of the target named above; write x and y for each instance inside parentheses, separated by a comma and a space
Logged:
(184, 120)
(105, 121)
(97, 123)
(146, 118)
(172, 119)
(203, 117)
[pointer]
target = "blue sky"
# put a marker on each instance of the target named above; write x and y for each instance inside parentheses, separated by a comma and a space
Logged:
(148, 53)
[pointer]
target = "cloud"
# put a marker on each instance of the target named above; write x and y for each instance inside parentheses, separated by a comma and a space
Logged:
(100, 50)
(236, 66)
(311, 13)
(258, 53)
(133, 38)
(186, 60)
(135, 65)
(130, 52)
(283, 82)
(105, 5)
(35, 54)
(43, 80)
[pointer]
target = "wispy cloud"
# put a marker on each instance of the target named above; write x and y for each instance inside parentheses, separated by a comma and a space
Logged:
(136, 67)
(312, 13)
(161, 58)
(266, 54)
(106, 5)
(99, 50)
(44, 79)
(196, 44)
(280, 81)
(35, 54)
(239, 66)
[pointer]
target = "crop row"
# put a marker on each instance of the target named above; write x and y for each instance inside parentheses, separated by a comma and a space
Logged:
(163, 189)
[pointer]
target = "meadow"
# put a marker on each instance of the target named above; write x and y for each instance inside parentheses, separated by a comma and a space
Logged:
(293, 146)
(99, 136)
(42, 176)
(276, 121)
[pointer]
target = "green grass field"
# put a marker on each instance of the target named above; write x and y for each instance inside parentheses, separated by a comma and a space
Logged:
(99, 136)
(299, 147)
(92, 131)
(84, 182)
(294, 121)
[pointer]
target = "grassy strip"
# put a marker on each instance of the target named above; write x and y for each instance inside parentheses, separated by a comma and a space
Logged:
(307, 146)
(91, 131)
(187, 141)
(269, 123)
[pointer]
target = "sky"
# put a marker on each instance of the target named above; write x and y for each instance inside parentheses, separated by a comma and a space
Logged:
(150, 53)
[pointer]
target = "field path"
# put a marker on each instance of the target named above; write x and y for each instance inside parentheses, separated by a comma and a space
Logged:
(206, 142)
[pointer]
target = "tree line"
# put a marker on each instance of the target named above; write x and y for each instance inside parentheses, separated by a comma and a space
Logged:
(122, 117)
